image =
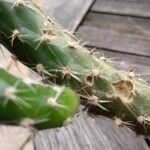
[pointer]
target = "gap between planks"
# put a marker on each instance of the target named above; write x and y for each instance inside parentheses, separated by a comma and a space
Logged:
(123, 34)
(138, 8)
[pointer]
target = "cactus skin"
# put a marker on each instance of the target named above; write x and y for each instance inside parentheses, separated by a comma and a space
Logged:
(45, 47)
(34, 105)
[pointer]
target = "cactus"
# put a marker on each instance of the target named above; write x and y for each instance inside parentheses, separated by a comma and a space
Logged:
(34, 105)
(52, 51)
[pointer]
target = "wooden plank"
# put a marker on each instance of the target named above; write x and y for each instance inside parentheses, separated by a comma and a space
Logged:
(85, 133)
(125, 61)
(14, 67)
(15, 138)
(125, 34)
(140, 8)
(69, 13)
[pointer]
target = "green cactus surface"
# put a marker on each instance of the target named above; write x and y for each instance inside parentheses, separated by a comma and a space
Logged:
(52, 51)
(35, 105)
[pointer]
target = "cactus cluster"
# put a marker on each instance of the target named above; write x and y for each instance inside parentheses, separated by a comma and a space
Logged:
(53, 52)
(34, 105)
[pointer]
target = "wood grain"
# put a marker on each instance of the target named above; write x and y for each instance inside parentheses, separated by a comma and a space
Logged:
(15, 138)
(85, 133)
(68, 13)
(124, 34)
(138, 8)
(12, 65)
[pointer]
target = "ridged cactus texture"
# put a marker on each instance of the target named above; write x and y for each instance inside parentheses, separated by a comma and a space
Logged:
(34, 105)
(44, 46)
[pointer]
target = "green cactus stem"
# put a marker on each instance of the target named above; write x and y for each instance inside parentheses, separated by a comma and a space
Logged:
(34, 105)
(44, 46)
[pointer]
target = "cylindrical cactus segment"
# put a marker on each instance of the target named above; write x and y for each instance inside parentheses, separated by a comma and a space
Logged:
(35, 105)
(45, 47)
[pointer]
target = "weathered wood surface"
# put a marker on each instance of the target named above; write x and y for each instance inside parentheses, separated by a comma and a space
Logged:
(85, 133)
(139, 8)
(15, 138)
(69, 13)
(12, 65)
(120, 33)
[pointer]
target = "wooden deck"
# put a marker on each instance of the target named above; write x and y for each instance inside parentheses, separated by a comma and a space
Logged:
(119, 29)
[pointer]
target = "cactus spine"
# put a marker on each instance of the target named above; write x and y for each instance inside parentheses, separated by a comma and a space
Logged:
(45, 47)
(34, 105)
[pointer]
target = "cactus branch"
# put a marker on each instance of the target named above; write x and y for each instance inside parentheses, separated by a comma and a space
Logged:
(34, 105)
(104, 89)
